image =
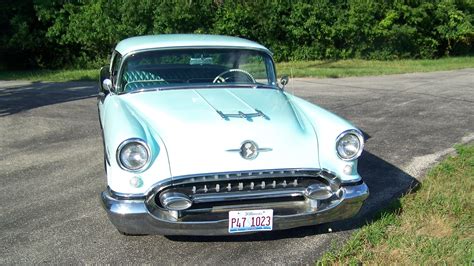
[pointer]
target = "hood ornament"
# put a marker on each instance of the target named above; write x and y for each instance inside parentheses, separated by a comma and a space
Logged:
(247, 116)
(249, 150)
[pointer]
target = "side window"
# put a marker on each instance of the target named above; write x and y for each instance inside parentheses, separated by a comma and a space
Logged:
(115, 67)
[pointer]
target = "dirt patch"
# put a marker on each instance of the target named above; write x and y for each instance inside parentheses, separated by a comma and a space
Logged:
(436, 226)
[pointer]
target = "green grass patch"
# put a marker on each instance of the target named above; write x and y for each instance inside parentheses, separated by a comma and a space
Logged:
(356, 67)
(51, 75)
(432, 226)
(321, 69)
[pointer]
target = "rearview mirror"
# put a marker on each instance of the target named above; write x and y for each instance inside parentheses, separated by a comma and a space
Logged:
(284, 80)
(104, 74)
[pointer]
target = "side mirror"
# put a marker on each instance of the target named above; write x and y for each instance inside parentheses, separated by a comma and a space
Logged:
(284, 80)
(107, 85)
(104, 74)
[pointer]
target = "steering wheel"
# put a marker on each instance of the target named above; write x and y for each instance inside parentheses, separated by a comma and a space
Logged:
(232, 73)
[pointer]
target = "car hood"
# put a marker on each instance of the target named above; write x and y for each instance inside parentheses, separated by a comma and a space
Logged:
(203, 132)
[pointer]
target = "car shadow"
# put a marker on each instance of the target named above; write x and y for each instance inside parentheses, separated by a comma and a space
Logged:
(19, 97)
(387, 183)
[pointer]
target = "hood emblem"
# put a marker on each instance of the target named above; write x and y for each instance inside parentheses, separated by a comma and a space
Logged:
(249, 150)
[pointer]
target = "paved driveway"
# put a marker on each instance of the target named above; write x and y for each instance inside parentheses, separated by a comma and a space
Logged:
(51, 169)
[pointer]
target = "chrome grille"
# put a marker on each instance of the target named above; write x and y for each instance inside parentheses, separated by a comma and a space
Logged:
(244, 185)
(247, 186)
(245, 175)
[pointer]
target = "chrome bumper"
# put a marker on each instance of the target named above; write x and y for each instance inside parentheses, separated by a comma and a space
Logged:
(133, 216)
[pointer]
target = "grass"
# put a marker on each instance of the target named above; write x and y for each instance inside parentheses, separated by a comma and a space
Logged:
(321, 69)
(51, 75)
(432, 226)
(356, 67)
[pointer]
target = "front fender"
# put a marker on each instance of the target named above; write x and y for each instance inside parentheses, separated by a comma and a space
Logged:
(327, 127)
(120, 124)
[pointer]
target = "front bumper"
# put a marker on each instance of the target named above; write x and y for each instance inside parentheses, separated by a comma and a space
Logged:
(135, 216)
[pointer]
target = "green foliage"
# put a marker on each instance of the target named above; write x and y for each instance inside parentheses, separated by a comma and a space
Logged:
(20, 35)
(81, 33)
(183, 17)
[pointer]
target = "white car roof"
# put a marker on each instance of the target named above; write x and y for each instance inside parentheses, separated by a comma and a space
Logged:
(185, 40)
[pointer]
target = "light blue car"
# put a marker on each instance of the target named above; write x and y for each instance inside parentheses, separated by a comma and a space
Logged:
(200, 139)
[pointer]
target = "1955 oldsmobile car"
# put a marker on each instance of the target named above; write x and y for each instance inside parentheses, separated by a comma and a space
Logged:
(200, 139)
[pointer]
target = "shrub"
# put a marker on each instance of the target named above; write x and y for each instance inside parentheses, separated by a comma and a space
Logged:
(80, 33)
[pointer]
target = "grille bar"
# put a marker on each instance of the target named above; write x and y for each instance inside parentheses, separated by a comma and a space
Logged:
(216, 197)
(245, 175)
(243, 185)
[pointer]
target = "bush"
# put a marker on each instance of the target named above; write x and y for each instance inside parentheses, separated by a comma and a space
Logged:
(81, 33)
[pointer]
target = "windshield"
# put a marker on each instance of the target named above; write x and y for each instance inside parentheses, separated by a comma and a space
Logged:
(185, 67)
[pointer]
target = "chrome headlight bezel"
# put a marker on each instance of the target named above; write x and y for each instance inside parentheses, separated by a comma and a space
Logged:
(359, 137)
(128, 142)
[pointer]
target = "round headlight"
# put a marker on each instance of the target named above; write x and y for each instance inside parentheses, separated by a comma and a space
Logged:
(349, 145)
(133, 155)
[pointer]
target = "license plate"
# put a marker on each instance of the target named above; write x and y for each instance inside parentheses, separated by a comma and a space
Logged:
(250, 220)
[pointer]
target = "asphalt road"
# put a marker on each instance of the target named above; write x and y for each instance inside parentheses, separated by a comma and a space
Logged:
(51, 169)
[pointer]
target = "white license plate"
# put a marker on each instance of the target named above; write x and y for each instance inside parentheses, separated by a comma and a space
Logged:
(250, 220)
